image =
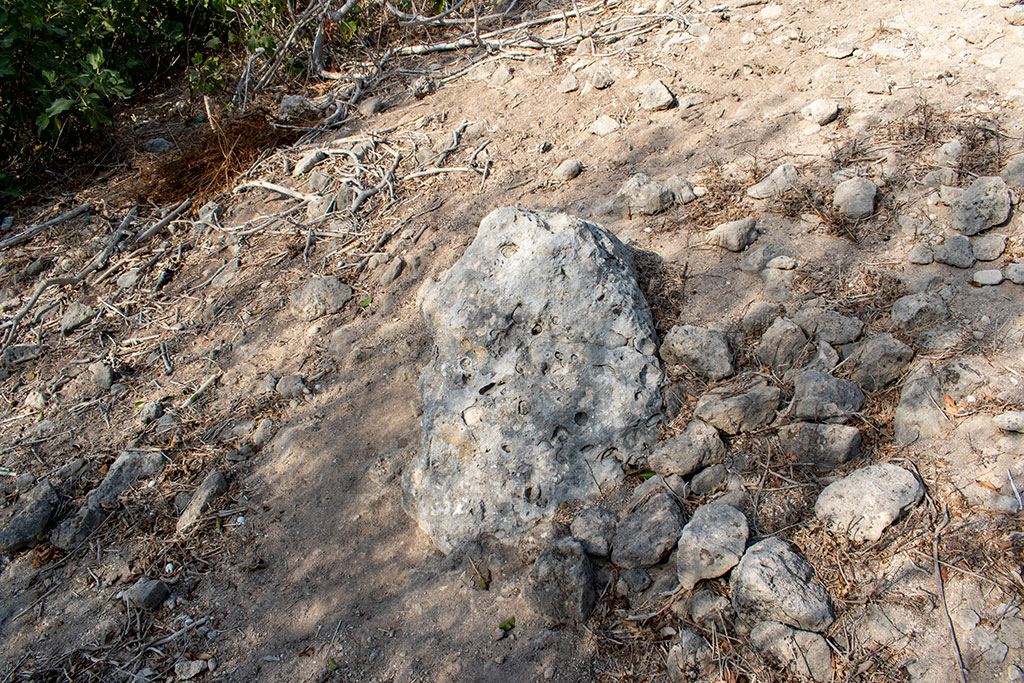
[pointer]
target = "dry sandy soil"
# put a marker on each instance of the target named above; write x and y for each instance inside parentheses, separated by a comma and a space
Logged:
(307, 568)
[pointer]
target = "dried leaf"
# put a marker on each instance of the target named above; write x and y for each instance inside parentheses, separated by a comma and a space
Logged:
(986, 485)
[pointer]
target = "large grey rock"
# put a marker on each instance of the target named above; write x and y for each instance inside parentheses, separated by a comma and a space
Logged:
(698, 446)
(646, 536)
(955, 251)
(535, 394)
(917, 310)
(561, 583)
(645, 197)
(879, 361)
(773, 582)
(705, 352)
(33, 514)
(594, 528)
(734, 235)
(985, 203)
(918, 414)
(711, 544)
(320, 296)
(76, 315)
(863, 504)
(735, 408)
(823, 445)
(828, 326)
(855, 198)
(212, 486)
(147, 594)
(783, 178)
(799, 652)
(821, 397)
(783, 346)
(690, 658)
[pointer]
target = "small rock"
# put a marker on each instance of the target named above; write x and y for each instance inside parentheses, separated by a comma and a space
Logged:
(757, 259)
(697, 447)
(569, 84)
(150, 412)
(318, 297)
(1010, 421)
(632, 581)
(76, 315)
(821, 397)
(987, 278)
(502, 75)
(101, 375)
(821, 112)
(213, 486)
(1015, 273)
(292, 107)
(263, 433)
(594, 528)
(735, 235)
(424, 86)
(158, 146)
(567, 170)
(949, 154)
(839, 49)
(561, 583)
(681, 189)
(601, 78)
(855, 198)
(782, 263)
(985, 203)
(878, 362)
(783, 346)
(656, 97)
(372, 105)
(955, 251)
(708, 608)
(290, 386)
(709, 480)
(711, 544)
(988, 247)
(800, 652)
(24, 482)
(920, 255)
(822, 445)
(147, 594)
(863, 504)
(918, 414)
(1013, 174)
(36, 400)
(187, 669)
(644, 196)
(734, 410)
(774, 582)
(706, 352)
(645, 537)
(604, 125)
(689, 659)
(782, 179)
(918, 310)
(30, 520)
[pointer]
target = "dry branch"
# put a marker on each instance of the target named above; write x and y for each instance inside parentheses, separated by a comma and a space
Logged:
(26, 235)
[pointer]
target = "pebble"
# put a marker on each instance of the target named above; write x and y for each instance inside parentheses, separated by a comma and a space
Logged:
(984, 204)
(76, 315)
(569, 84)
(734, 235)
(863, 504)
(855, 198)
(839, 49)
(821, 111)
(988, 247)
(567, 170)
(920, 255)
(955, 251)
(656, 97)
(147, 594)
(781, 179)
(604, 125)
(158, 146)
(601, 78)
(1013, 174)
(1015, 273)
(987, 278)
(502, 75)
(1010, 421)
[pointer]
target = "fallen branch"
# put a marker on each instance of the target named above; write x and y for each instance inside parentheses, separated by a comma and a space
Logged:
(942, 596)
(164, 222)
(274, 187)
(389, 178)
(35, 229)
(435, 171)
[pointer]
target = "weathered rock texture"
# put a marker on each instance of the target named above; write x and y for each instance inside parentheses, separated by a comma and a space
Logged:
(543, 382)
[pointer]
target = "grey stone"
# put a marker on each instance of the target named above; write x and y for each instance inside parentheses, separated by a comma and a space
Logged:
(292, 107)
(594, 528)
(917, 310)
(601, 78)
(36, 400)
(538, 537)
(757, 259)
(569, 84)
(391, 271)
(855, 198)
(783, 346)
(936, 179)
(711, 544)
(948, 194)
(24, 482)
(782, 179)
(708, 480)
(1015, 273)
(689, 659)
(656, 97)
(681, 189)
(209, 490)
(187, 669)
(1010, 421)
(955, 251)
(502, 75)
(987, 278)
(671, 484)
(918, 414)
(150, 412)
(76, 315)
(949, 153)
(34, 512)
(921, 255)
(799, 652)
(17, 355)
(632, 581)
(985, 203)
(758, 316)
(778, 284)
(372, 105)
(774, 582)
(734, 235)
(644, 196)
(549, 391)
(319, 296)
(988, 247)
(604, 126)
(646, 536)
(424, 86)
(705, 352)
(129, 467)
(821, 111)
(828, 326)
(707, 608)
(821, 397)
(822, 445)
(782, 263)
(158, 146)
(567, 170)
(1013, 174)
(210, 213)
(263, 433)
(147, 594)
(863, 504)
(734, 409)
(839, 49)
(825, 359)
(698, 446)
(561, 583)
(307, 161)
(290, 386)
(879, 361)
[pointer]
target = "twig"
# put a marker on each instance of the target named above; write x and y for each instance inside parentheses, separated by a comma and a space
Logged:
(166, 639)
(26, 235)
(363, 195)
(435, 171)
(1016, 492)
(942, 595)
(200, 391)
(274, 187)
(164, 222)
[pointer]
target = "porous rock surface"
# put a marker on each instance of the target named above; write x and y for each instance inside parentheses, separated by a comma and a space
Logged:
(535, 396)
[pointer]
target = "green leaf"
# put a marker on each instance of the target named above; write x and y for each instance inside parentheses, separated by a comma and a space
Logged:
(647, 474)
(366, 302)
(213, 43)
(59, 106)
(42, 122)
(95, 59)
(333, 664)
(508, 624)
